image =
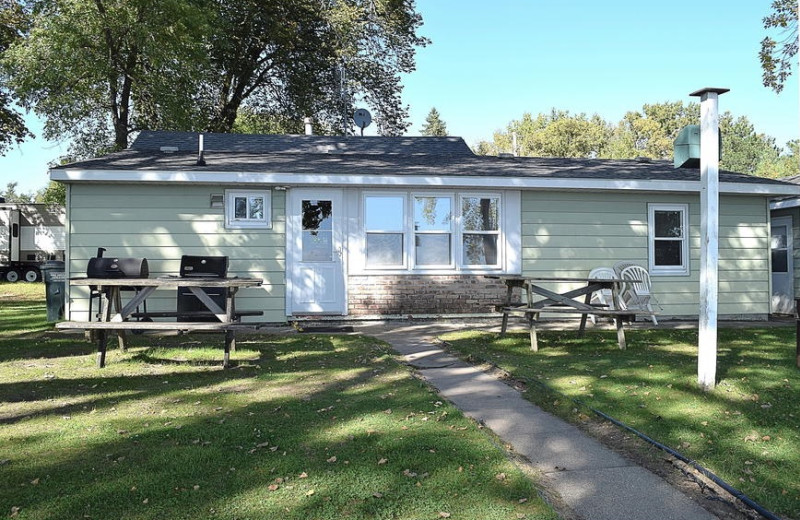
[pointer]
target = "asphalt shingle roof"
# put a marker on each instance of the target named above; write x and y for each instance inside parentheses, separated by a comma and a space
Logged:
(322, 155)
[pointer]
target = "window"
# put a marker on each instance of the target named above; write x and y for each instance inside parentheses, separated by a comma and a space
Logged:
(480, 225)
(432, 231)
(668, 240)
(433, 224)
(248, 209)
(384, 223)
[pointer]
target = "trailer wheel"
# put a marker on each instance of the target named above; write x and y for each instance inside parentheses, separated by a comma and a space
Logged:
(32, 275)
(12, 275)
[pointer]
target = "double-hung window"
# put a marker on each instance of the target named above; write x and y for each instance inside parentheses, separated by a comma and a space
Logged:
(247, 209)
(385, 224)
(668, 238)
(433, 231)
(480, 231)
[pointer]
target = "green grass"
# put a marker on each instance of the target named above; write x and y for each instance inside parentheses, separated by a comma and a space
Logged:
(747, 430)
(301, 427)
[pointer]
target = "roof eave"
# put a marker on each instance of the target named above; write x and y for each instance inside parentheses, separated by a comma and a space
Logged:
(208, 177)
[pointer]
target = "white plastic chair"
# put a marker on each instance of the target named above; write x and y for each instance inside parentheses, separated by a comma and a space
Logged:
(602, 297)
(638, 289)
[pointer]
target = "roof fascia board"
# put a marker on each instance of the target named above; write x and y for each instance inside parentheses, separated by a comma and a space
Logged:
(784, 204)
(289, 179)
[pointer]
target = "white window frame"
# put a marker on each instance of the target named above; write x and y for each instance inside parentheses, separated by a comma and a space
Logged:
(414, 233)
(677, 270)
(506, 224)
(231, 222)
(404, 231)
(461, 232)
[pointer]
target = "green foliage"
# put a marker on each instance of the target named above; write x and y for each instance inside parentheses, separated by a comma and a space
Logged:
(98, 70)
(776, 55)
(11, 194)
(13, 24)
(54, 193)
(747, 430)
(434, 126)
(650, 132)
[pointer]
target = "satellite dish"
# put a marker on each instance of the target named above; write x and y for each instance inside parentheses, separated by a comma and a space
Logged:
(362, 118)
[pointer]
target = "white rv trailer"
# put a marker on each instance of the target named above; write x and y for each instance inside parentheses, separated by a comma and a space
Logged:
(30, 234)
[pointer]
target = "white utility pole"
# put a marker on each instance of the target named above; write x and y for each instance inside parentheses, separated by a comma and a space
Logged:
(709, 235)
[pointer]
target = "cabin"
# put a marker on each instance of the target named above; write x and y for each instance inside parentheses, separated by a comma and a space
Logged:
(364, 227)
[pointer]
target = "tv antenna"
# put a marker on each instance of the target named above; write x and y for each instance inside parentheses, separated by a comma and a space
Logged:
(362, 118)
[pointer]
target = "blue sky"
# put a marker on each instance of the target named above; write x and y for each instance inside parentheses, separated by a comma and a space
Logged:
(490, 62)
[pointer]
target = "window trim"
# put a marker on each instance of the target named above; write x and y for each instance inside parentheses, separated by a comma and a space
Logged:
(231, 222)
(660, 270)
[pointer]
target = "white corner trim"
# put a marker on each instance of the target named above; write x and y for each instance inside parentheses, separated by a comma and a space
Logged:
(432, 182)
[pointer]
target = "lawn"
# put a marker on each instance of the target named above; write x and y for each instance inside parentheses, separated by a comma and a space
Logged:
(302, 426)
(747, 430)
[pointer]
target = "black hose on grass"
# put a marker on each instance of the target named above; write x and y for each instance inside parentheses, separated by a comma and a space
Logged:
(706, 472)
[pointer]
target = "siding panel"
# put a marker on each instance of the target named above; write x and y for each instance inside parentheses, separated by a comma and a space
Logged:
(161, 223)
(599, 229)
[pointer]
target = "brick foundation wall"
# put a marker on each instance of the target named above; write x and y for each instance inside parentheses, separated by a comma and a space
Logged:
(423, 294)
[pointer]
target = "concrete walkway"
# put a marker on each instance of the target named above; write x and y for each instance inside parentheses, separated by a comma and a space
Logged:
(595, 482)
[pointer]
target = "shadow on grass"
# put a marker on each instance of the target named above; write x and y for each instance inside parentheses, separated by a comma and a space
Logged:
(297, 430)
(747, 430)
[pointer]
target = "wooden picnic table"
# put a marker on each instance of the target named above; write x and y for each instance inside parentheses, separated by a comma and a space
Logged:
(568, 302)
(119, 321)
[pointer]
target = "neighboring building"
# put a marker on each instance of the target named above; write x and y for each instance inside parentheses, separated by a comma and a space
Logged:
(30, 234)
(362, 226)
(785, 233)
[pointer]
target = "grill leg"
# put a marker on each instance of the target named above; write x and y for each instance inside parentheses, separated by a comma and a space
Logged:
(620, 333)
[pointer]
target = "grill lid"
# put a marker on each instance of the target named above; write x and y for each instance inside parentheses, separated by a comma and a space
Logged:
(109, 267)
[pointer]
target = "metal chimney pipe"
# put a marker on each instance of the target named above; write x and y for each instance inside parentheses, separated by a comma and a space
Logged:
(307, 122)
(200, 160)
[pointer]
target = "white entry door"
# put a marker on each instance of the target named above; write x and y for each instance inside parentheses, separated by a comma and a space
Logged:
(782, 266)
(314, 245)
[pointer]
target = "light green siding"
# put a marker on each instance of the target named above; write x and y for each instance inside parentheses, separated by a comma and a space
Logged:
(163, 222)
(566, 234)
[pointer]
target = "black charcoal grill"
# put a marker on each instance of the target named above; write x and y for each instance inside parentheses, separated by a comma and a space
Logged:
(111, 267)
(190, 308)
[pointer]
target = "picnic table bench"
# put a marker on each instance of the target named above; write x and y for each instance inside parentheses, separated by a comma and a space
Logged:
(119, 321)
(564, 303)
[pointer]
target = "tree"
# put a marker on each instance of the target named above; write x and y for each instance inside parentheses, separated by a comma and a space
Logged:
(99, 70)
(777, 56)
(10, 194)
(558, 134)
(652, 132)
(54, 193)
(434, 126)
(743, 149)
(13, 24)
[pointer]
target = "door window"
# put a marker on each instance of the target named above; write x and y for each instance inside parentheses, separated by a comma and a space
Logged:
(780, 249)
(317, 230)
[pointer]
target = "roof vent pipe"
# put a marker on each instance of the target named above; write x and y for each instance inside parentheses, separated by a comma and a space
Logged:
(514, 150)
(307, 123)
(200, 160)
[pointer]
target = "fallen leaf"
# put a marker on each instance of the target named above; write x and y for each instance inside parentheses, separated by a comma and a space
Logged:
(500, 476)
(408, 473)
(523, 500)
(382, 461)
(195, 487)
(273, 487)
(332, 459)
(766, 438)
(310, 492)
(377, 495)
(443, 514)
(387, 411)
(146, 501)
(35, 482)
(303, 475)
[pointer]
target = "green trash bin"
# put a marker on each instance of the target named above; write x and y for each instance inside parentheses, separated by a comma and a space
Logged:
(54, 281)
